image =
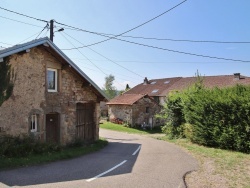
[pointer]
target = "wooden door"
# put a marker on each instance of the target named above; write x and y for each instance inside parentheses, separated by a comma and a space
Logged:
(52, 128)
(85, 123)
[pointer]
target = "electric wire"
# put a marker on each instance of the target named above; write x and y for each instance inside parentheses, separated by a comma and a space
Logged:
(88, 59)
(105, 57)
(129, 29)
(20, 21)
(108, 35)
(132, 81)
(159, 62)
(108, 70)
(186, 53)
(83, 54)
(23, 15)
(6, 43)
(46, 26)
(28, 37)
(170, 50)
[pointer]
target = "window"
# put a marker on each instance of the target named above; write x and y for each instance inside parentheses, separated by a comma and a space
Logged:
(33, 123)
(153, 82)
(52, 80)
(147, 109)
(156, 98)
(166, 82)
(155, 90)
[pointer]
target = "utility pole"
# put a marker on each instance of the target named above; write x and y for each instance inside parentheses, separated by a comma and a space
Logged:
(51, 30)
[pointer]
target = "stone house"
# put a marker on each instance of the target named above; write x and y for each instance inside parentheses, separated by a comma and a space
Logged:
(44, 94)
(158, 89)
(133, 109)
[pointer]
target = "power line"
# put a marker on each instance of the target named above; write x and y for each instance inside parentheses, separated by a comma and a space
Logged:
(20, 21)
(174, 40)
(129, 29)
(186, 53)
(89, 59)
(28, 38)
(174, 51)
(84, 55)
(23, 15)
(108, 70)
(106, 57)
(46, 26)
(159, 62)
(108, 35)
(111, 71)
(6, 43)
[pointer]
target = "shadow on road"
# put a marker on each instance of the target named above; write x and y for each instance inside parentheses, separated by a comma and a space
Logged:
(84, 167)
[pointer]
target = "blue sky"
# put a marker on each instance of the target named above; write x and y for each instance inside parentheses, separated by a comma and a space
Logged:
(211, 20)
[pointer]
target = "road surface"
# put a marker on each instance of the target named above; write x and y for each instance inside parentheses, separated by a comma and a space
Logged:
(128, 161)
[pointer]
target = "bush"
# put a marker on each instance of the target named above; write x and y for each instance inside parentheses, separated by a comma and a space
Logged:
(211, 117)
(11, 146)
(220, 117)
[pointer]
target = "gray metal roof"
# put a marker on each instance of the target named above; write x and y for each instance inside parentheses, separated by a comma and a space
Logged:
(21, 47)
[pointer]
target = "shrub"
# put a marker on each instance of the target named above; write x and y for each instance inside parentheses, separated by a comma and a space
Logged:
(211, 117)
(11, 146)
(220, 117)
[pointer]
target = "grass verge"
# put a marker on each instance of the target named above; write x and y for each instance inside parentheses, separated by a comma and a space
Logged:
(121, 128)
(217, 167)
(65, 153)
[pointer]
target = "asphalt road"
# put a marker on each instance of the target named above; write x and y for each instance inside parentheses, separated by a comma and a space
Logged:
(128, 161)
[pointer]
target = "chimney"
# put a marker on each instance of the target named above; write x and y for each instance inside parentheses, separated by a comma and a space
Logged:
(236, 76)
(145, 81)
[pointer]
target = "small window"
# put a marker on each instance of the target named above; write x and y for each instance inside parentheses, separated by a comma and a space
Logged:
(155, 90)
(52, 80)
(166, 82)
(153, 83)
(147, 109)
(33, 123)
(157, 99)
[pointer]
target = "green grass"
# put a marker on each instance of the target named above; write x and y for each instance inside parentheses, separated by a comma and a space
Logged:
(122, 128)
(65, 153)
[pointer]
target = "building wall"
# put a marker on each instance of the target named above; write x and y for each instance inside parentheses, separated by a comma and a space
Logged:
(123, 112)
(143, 110)
(135, 114)
(162, 100)
(30, 96)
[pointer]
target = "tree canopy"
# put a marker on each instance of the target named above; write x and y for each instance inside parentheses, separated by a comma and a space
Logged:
(109, 89)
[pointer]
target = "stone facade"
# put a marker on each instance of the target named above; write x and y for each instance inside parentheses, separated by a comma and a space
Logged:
(136, 114)
(30, 96)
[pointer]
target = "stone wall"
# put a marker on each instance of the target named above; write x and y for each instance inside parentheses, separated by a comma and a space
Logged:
(143, 110)
(31, 96)
(123, 112)
(135, 114)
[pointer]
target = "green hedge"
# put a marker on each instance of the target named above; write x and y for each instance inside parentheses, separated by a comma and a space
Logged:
(212, 117)
(11, 146)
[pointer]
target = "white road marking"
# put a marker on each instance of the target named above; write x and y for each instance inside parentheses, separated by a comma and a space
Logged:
(91, 179)
(137, 150)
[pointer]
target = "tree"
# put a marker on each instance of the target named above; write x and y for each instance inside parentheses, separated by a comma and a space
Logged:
(127, 87)
(109, 89)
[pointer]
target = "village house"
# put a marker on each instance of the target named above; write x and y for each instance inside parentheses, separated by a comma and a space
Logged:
(158, 90)
(133, 109)
(44, 94)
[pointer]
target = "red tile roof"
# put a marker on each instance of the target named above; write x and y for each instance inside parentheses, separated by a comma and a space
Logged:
(126, 99)
(163, 87)
(154, 87)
